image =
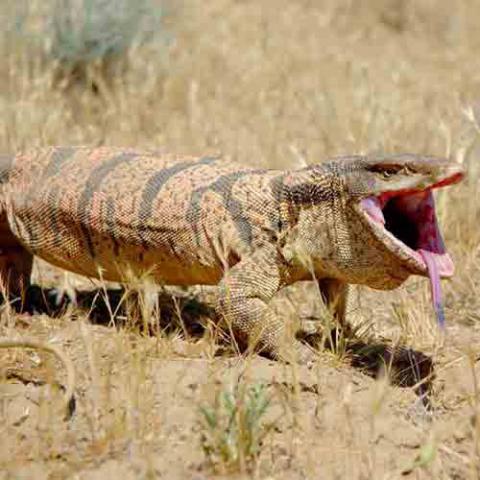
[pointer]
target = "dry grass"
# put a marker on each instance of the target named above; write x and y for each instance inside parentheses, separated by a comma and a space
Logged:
(275, 83)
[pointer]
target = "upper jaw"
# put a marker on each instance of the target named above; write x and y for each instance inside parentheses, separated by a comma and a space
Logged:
(415, 170)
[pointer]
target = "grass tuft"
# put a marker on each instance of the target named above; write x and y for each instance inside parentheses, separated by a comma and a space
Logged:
(232, 427)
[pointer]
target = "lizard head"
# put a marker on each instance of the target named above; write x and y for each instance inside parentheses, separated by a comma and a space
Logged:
(371, 220)
(392, 197)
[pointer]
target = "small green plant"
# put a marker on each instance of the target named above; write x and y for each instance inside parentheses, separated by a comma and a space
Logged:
(89, 30)
(232, 427)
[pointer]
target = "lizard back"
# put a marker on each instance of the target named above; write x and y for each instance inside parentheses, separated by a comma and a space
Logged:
(101, 211)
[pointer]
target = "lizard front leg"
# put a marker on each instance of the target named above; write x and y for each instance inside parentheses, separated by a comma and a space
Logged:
(245, 292)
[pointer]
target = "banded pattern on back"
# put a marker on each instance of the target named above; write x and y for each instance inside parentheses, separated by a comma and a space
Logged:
(139, 209)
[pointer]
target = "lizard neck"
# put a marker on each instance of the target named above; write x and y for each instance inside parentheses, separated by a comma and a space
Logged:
(298, 190)
(313, 212)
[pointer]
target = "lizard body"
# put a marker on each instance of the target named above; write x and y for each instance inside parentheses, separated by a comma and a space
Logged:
(105, 212)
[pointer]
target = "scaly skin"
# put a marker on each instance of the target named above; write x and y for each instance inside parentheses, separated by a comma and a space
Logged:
(102, 212)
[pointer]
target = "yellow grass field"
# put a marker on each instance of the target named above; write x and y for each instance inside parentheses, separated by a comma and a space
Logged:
(274, 83)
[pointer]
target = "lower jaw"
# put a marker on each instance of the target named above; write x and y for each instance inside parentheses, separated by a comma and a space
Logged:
(390, 283)
(412, 261)
(388, 277)
(421, 271)
(444, 263)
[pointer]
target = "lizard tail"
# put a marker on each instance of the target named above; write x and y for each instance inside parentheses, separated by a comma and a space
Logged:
(68, 397)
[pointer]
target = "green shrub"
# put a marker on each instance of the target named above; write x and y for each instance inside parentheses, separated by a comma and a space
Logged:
(84, 39)
(84, 31)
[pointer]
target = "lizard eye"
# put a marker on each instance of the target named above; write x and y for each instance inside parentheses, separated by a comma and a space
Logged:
(385, 170)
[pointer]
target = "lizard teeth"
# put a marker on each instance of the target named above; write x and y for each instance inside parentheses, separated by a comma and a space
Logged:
(373, 207)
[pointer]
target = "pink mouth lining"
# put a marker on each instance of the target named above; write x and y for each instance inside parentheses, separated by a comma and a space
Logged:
(411, 219)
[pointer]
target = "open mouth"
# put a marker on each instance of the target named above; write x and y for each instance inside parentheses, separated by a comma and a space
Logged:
(406, 222)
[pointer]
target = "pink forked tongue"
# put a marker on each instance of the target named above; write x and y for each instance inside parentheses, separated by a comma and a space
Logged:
(433, 274)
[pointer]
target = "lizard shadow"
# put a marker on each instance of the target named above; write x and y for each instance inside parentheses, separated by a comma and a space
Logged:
(405, 367)
(109, 307)
(191, 316)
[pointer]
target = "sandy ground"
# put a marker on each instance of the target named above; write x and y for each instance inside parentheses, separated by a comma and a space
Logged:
(137, 400)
